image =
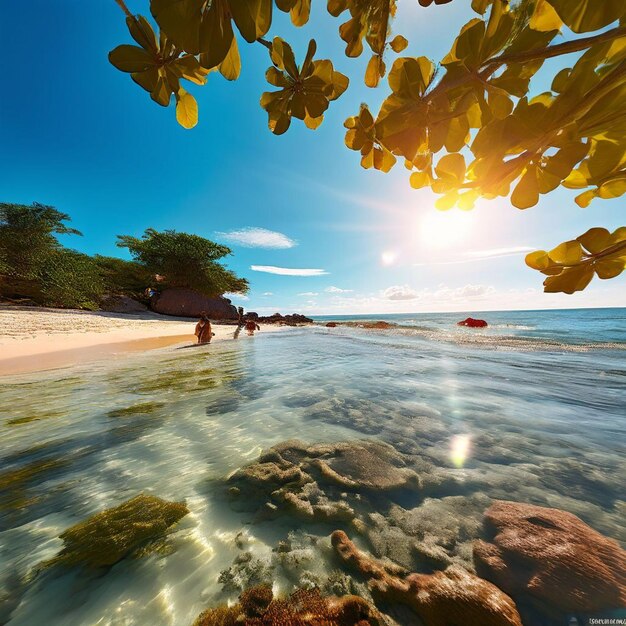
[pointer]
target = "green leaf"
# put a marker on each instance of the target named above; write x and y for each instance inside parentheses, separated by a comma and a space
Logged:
(180, 19)
(129, 58)
(253, 17)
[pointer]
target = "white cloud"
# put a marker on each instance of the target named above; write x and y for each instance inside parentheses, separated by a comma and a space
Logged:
(400, 292)
(337, 290)
(267, 293)
(235, 296)
(287, 271)
(463, 293)
(252, 237)
(309, 294)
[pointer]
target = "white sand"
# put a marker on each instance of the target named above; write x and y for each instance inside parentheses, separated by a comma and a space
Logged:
(33, 339)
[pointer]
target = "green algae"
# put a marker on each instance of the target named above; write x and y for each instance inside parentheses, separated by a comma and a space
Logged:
(27, 419)
(143, 408)
(109, 536)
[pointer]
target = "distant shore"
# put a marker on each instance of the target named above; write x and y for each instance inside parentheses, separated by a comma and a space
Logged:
(35, 339)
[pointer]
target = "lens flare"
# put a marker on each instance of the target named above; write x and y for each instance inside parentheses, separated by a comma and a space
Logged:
(460, 449)
(388, 257)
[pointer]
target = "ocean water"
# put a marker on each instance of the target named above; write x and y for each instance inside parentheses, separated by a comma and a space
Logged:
(538, 398)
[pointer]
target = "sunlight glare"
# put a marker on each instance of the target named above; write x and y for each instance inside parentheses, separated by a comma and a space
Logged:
(443, 229)
(388, 257)
(459, 449)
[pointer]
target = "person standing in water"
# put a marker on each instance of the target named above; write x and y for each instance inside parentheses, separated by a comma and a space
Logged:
(251, 326)
(203, 329)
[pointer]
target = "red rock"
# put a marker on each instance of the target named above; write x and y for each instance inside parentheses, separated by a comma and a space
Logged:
(472, 323)
(551, 557)
(451, 597)
(190, 303)
(331, 325)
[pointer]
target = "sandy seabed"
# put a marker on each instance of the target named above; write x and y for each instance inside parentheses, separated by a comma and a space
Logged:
(34, 339)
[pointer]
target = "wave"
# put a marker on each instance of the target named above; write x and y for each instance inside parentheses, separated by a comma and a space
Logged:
(481, 338)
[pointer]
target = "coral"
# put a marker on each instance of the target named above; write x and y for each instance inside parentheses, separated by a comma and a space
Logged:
(551, 558)
(322, 482)
(107, 537)
(304, 607)
(454, 596)
(245, 572)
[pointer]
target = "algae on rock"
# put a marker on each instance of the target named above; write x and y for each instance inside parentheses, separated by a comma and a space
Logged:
(107, 537)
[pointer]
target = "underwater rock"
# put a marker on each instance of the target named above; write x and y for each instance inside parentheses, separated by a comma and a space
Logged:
(257, 607)
(451, 597)
(551, 557)
(438, 533)
(322, 482)
(246, 571)
(107, 537)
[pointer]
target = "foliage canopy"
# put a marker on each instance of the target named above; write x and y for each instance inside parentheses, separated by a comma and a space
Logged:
(468, 128)
(183, 260)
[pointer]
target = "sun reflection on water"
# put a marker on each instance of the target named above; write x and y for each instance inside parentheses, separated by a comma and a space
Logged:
(460, 447)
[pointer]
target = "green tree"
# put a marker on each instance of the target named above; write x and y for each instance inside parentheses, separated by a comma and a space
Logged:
(470, 127)
(183, 260)
(27, 236)
(123, 277)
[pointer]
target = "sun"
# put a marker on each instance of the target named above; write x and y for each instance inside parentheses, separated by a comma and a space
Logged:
(443, 229)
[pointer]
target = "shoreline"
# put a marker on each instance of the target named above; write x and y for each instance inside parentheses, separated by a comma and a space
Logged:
(36, 339)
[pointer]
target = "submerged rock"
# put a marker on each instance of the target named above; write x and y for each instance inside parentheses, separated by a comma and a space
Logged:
(551, 558)
(451, 597)
(107, 537)
(257, 607)
(322, 482)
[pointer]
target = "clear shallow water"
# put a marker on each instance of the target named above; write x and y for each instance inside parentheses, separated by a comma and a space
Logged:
(541, 395)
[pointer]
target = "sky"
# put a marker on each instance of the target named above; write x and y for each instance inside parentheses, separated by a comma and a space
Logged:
(310, 229)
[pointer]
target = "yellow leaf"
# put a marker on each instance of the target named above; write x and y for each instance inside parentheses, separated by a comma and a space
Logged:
(595, 239)
(613, 188)
(538, 260)
(419, 180)
(447, 202)
(313, 122)
(230, 67)
(526, 193)
(544, 17)
(609, 268)
(451, 166)
(186, 109)
(372, 72)
(567, 253)
(583, 16)
(398, 43)
(584, 199)
(571, 279)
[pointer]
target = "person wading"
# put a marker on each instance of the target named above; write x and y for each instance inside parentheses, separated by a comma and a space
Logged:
(203, 329)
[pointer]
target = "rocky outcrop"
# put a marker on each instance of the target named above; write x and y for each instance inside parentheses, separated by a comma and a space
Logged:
(288, 320)
(190, 303)
(107, 537)
(472, 323)
(453, 596)
(323, 482)
(551, 558)
(331, 325)
(257, 607)
(122, 304)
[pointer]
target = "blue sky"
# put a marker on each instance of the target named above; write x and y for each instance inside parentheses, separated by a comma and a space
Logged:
(79, 135)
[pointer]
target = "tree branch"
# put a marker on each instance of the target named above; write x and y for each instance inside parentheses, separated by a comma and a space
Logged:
(265, 42)
(124, 8)
(563, 48)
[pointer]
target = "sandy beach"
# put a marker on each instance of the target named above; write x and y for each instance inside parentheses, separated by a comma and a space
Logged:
(36, 339)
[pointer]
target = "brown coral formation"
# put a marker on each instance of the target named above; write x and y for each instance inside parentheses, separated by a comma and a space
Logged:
(551, 557)
(442, 599)
(107, 537)
(322, 482)
(304, 607)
